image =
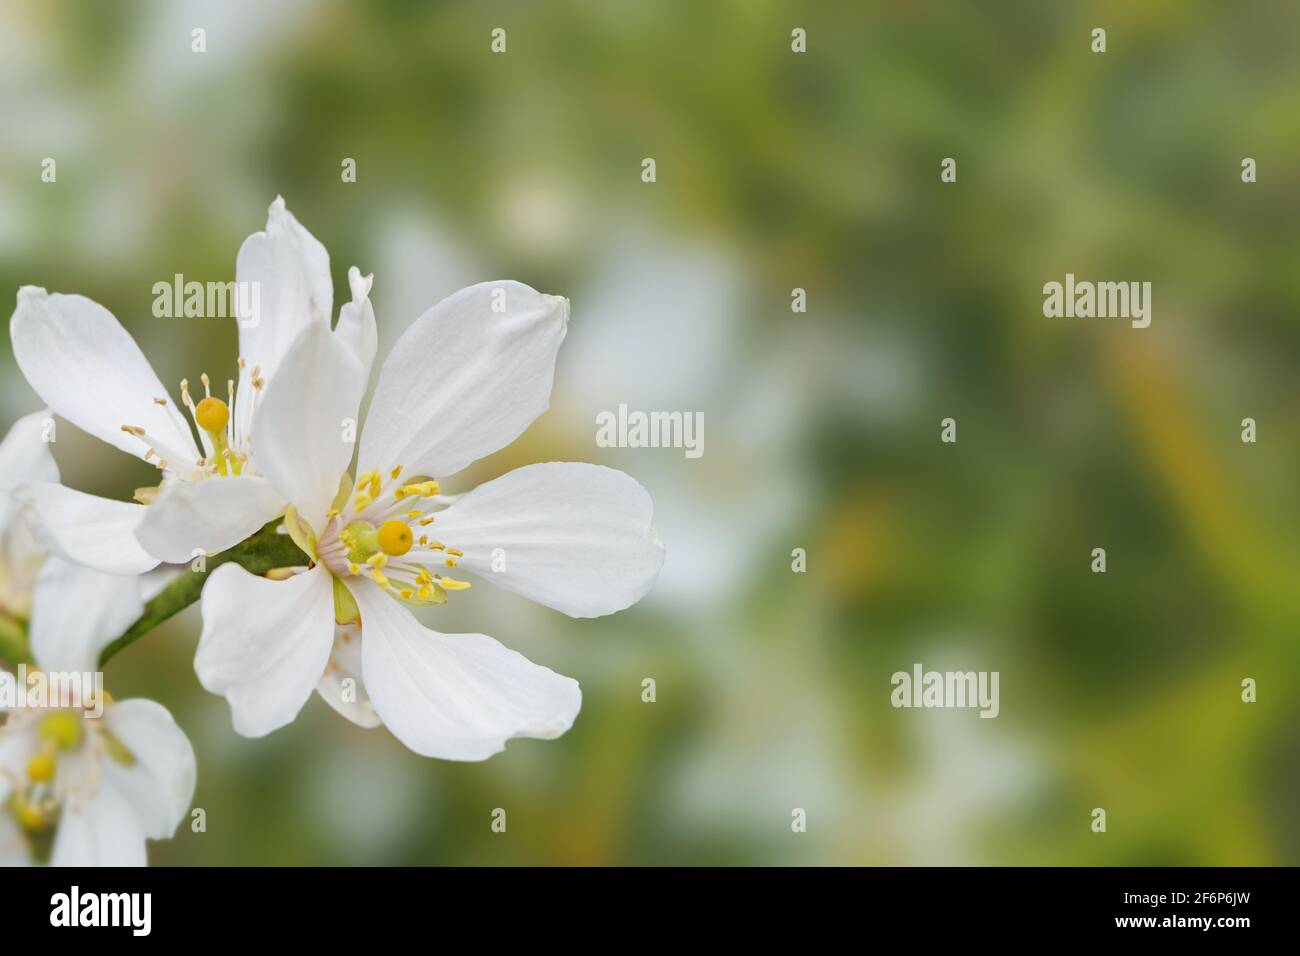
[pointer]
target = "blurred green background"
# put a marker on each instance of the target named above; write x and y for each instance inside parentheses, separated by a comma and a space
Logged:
(775, 171)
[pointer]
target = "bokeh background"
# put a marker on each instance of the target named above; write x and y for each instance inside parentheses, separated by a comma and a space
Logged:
(775, 171)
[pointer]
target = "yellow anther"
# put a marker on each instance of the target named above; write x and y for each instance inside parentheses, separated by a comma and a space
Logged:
(395, 472)
(62, 728)
(426, 522)
(354, 568)
(395, 537)
(425, 592)
(451, 584)
(362, 501)
(453, 551)
(40, 769)
(412, 515)
(406, 594)
(451, 562)
(160, 401)
(437, 546)
(212, 414)
(135, 430)
(378, 560)
(379, 578)
(424, 489)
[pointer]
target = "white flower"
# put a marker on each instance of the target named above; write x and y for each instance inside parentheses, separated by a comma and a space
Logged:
(462, 382)
(89, 370)
(88, 790)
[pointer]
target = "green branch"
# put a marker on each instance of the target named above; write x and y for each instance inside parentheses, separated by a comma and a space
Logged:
(258, 554)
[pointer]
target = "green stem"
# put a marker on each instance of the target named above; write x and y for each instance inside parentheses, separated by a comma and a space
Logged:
(258, 554)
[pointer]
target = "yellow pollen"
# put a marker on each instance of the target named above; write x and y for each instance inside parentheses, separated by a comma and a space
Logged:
(40, 769)
(212, 414)
(451, 584)
(395, 537)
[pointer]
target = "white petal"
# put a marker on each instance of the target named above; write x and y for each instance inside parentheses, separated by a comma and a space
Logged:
(160, 784)
(87, 529)
(350, 700)
(21, 557)
(99, 830)
(464, 381)
(88, 369)
(24, 456)
(291, 270)
(265, 643)
(573, 536)
(25, 453)
(77, 612)
(357, 321)
(208, 516)
(305, 427)
(13, 845)
(454, 696)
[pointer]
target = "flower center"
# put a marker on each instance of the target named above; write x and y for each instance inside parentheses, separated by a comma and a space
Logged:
(375, 530)
(64, 768)
(223, 427)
